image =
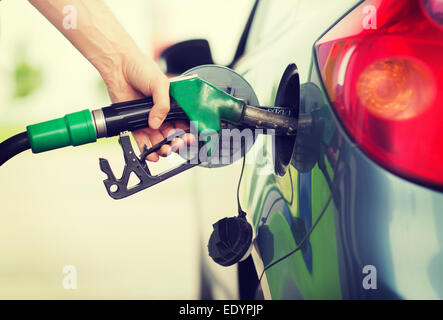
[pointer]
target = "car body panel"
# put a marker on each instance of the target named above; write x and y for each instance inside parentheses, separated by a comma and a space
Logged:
(305, 277)
(375, 219)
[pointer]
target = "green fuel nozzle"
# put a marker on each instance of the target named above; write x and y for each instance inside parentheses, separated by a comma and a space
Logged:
(191, 98)
(209, 107)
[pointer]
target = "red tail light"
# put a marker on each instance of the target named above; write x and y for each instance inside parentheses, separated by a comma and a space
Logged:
(382, 67)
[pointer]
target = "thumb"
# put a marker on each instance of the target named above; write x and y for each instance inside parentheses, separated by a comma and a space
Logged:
(160, 95)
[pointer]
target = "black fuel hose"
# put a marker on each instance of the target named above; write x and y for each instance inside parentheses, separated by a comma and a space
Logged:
(13, 146)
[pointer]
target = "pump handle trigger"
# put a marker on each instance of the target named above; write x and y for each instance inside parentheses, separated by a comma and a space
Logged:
(119, 188)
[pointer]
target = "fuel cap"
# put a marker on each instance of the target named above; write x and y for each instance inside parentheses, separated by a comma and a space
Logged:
(230, 241)
(234, 84)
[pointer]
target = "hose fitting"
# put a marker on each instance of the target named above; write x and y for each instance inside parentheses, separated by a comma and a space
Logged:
(73, 129)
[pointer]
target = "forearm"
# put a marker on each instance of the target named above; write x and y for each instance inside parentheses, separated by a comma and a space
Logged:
(127, 72)
(97, 34)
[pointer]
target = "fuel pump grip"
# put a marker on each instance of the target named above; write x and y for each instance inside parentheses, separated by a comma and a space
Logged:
(206, 104)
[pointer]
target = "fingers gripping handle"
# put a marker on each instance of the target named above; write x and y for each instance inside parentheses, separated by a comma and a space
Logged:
(132, 115)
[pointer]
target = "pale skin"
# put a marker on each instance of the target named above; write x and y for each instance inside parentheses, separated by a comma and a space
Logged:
(128, 73)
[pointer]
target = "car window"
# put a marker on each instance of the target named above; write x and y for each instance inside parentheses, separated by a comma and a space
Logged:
(271, 19)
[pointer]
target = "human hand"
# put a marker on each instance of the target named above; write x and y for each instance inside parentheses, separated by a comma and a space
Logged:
(127, 72)
(140, 76)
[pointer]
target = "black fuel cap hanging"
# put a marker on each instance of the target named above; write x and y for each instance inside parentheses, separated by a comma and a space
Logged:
(230, 241)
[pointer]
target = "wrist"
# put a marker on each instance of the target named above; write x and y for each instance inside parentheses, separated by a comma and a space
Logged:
(113, 70)
(110, 69)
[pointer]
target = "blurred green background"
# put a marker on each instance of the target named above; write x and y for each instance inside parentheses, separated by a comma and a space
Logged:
(54, 208)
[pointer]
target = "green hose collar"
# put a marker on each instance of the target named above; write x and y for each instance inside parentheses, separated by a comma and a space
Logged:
(72, 130)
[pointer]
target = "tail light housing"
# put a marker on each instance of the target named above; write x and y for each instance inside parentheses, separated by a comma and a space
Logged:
(382, 68)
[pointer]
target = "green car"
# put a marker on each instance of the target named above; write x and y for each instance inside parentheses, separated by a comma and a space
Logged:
(352, 207)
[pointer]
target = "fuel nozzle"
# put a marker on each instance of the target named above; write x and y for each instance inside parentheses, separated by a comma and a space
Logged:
(84, 127)
(87, 126)
(191, 99)
(230, 100)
